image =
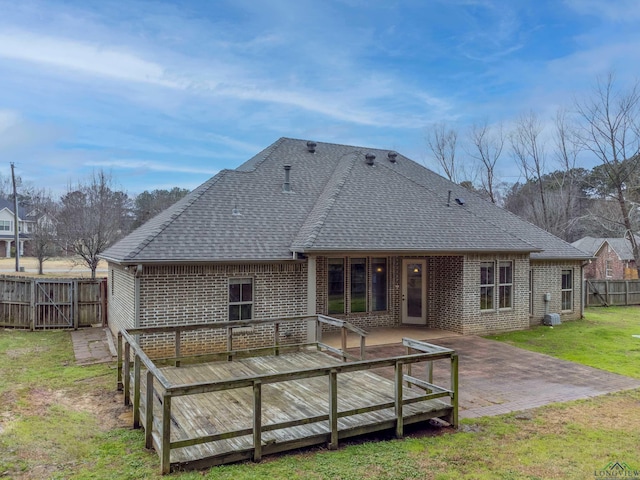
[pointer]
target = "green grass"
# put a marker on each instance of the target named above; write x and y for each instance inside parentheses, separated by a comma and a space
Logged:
(52, 422)
(603, 339)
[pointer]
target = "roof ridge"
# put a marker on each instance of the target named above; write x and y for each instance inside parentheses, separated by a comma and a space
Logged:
(180, 208)
(314, 222)
(267, 153)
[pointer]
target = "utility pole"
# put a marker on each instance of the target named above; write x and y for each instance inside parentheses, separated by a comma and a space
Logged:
(15, 217)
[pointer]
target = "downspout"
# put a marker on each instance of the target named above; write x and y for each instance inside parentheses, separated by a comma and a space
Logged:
(583, 286)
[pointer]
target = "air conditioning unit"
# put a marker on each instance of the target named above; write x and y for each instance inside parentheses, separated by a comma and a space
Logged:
(552, 319)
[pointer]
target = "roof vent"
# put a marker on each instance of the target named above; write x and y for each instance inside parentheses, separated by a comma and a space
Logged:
(392, 156)
(370, 157)
(311, 146)
(460, 201)
(236, 211)
(286, 186)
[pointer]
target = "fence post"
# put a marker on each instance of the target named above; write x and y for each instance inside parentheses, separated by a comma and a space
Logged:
(74, 300)
(626, 292)
(32, 305)
(103, 301)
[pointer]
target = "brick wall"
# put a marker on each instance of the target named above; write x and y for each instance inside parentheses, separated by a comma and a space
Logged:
(547, 278)
(480, 322)
(190, 294)
(598, 267)
(445, 293)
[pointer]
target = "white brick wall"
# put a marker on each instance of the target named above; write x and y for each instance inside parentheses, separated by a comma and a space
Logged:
(189, 294)
(547, 278)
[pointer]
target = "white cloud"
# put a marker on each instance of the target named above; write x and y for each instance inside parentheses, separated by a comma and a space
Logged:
(133, 164)
(616, 10)
(81, 56)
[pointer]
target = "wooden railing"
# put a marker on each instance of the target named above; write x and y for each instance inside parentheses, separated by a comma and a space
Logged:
(160, 391)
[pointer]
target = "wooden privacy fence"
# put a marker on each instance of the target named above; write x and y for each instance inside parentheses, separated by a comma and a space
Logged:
(602, 293)
(36, 303)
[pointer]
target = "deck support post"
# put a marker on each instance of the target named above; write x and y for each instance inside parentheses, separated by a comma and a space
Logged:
(453, 416)
(165, 449)
(333, 409)
(178, 353)
(344, 343)
(362, 348)
(276, 338)
(148, 418)
(136, 391)
(257, 421)
(229, 343)
(119, 384)
(127, 374)
(398, 401)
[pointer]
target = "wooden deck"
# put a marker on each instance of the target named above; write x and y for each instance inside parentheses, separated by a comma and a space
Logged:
(204, 414)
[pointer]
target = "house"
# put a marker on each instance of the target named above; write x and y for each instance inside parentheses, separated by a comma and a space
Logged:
(7, 228)
(362, 234)
(612, 258)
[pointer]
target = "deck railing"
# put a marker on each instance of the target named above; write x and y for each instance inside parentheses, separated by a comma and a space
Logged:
(160, 391)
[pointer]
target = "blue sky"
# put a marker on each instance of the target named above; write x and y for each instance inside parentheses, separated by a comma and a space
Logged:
(166, 94)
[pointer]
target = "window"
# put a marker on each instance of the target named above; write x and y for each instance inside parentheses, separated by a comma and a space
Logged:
(5, 225)
(608, 269)
(240, 299)
(567, 290)
(336, 285)
(358, 284)
(505, 285)
(487, 284)
(378, 284)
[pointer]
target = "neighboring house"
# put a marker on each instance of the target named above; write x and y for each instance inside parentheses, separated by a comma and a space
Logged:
(7, 228)
(361, 234)
(612, 258)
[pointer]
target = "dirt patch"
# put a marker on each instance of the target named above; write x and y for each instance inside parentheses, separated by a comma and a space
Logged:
(17, 353)
(105, 406)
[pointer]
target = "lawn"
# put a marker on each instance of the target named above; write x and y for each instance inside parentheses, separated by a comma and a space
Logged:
(58, 420)
(603, 339)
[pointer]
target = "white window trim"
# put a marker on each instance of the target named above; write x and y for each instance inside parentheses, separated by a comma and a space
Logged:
(510, 284)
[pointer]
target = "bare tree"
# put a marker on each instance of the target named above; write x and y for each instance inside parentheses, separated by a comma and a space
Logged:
(41, 209)
(528, 150)
(610, 130)
(488, 144)
(442, 141)
(92, 217)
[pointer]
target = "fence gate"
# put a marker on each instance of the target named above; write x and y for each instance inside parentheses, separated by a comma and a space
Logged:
(54, 304)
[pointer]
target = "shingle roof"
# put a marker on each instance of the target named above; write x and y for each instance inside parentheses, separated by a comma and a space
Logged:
(591, 245)
(337, 203)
